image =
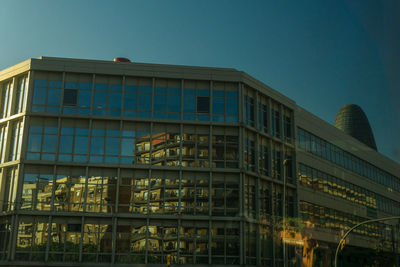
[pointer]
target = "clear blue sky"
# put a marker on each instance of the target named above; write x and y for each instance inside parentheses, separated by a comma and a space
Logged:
(322, 54)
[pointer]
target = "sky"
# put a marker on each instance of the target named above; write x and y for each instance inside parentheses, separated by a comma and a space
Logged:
(321, 54)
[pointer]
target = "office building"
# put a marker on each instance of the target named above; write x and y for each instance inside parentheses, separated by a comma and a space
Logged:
(119, 163)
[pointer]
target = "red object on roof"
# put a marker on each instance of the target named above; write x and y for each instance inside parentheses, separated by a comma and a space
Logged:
(121, 59)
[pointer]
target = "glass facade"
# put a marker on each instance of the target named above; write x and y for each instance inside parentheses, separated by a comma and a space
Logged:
(336, 155)
(146, 169)
(323, 182)
(137, 98)
(123, 150)
(317, 216)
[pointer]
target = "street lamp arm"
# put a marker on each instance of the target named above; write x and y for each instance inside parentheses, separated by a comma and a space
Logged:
(357, 225)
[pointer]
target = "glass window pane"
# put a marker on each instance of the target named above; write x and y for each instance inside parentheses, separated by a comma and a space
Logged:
(115, 100)
(97, 145)
(131, 88)
(101, 86)
(218, 93)
(66, 144)
(112, 146)
(34, 143)
(39, 96)
(127, 147)
(203, 92)
(174, 103)
(49, 143)
(174, 91)
(85, 86)
(218, 106)
(100, 99)
(232, 106)
(189, 104)
(81, 144)
(144, 102)
(84, 98)
(70, 97)
(71, 85)
(40, 83)
(130, 101)
(54, 96)
(160, 102)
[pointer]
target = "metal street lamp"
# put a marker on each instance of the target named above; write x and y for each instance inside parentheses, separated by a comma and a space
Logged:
(357, 225)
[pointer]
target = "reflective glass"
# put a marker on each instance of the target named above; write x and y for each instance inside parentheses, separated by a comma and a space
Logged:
(40, 83)
(218, 93)
(130, 101)
(66, 144)
(112, 146)
(84, 98)
(174, 103)
(49, 143)
(160, 102)
(159, 90)
(71, 85)
(232, 106)
(127, 147)
(34, 143)
(50, 129)
(189, 104)
(131, 88)
(101, 86)
(144, 102)
(160, 115)
(54, 97)
(115, 87)
(100, 99)
(113, 132)
(189, 92)
(203, 92)
(174, 91)
(67, 130)
(85, 86)
(145, 89)
(115, 100)
(39, 96)
(218, 106)
(97, 145)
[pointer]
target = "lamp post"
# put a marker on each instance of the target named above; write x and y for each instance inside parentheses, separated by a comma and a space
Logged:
(357, 225)
(285, 163)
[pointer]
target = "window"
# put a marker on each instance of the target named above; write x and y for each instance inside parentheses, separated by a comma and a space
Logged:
(196, 100)
(74, 138)
(287, 126)
(47, 92)
(263, 158)
(70, 97)
(10, 191)
(20, 95)
(6, 91)
(262, 117)
(248, 110)
(42, 140)
(249, 154)
(275, 122)
(276, 161)
(203, 104)
(105, 142)
(16, 139)
(37, 188)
